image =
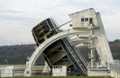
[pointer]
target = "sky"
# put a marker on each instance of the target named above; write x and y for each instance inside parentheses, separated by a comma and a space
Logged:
(18, 17)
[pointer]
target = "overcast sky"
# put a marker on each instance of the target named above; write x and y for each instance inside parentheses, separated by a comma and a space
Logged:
(18, 17)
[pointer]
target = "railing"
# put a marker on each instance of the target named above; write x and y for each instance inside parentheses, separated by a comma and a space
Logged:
(115, 70)
(76, 58)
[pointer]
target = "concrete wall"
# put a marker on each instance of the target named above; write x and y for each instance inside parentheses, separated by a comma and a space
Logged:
(59, 70)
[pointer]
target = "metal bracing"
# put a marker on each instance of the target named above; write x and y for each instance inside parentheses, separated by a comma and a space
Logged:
(88, 28)
(47, 43)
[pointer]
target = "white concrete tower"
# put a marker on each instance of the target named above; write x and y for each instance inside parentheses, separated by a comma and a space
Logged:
(87, 20)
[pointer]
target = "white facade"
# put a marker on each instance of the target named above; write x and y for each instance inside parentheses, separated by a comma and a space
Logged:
(90, 21)
(7, 72)
(59, 70)
(84, 18)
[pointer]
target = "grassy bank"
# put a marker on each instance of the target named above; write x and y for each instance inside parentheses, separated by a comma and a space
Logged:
(65, 77)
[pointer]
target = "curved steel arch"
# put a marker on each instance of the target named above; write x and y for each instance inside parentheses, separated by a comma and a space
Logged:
(47, 43)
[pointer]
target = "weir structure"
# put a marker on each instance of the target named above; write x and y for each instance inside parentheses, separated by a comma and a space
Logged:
(60, 47)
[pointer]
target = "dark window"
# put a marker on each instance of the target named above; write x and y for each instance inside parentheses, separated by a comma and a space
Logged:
(82, 19)
(91, 20)
(86, 19)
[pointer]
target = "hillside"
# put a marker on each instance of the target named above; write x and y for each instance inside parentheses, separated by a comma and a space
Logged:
(17, 54)
(115, 48)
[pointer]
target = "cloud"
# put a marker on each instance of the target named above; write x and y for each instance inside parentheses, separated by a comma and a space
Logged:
(13, 33)
(15, 28)
(18, 17)
(11, 11)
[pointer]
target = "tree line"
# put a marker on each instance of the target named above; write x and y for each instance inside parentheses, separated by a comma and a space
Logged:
(19, 54)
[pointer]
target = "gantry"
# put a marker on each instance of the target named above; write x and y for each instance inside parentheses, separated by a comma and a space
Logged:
(60, 47)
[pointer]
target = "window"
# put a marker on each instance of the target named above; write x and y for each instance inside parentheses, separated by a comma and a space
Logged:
(91, 21)
(86, 19)
(82, 19)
